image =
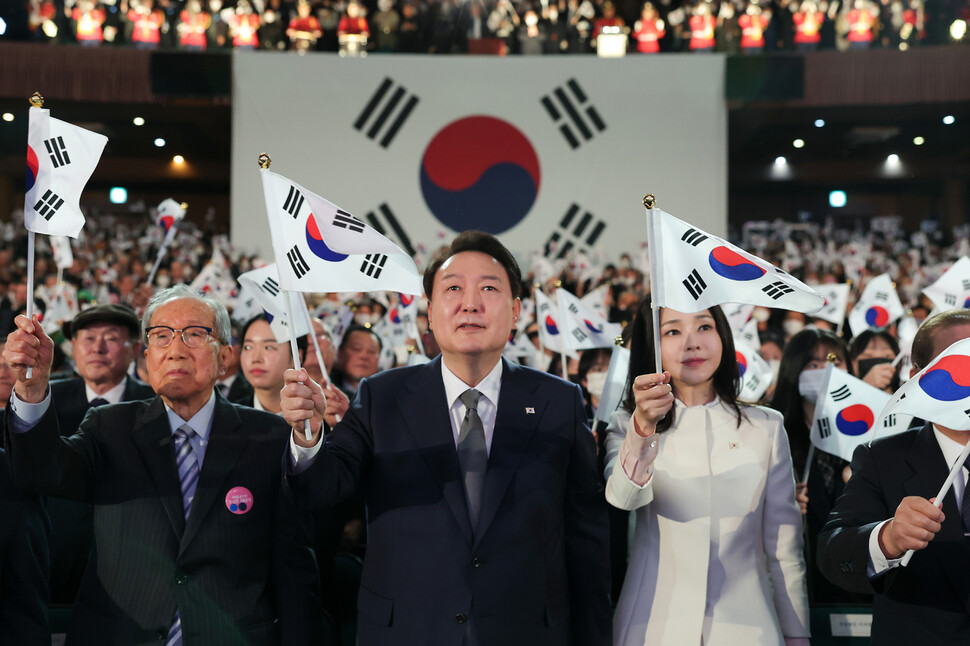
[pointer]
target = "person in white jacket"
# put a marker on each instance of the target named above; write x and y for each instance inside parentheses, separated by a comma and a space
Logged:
(716, 555)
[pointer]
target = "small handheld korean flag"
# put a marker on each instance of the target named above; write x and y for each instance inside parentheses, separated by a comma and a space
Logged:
(264, 285)
(846, 414)
(836, 302)
(615, 389)
(322, 248)
(692, 270)
(61, 249)
(940, 392)
(169, 213)
(738, 315)
(755, 372)
(584, 328)
(60, 160)
(550, 326)
(877, 307)
(951, 291)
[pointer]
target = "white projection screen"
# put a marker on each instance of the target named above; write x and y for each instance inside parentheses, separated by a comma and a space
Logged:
(549, 153)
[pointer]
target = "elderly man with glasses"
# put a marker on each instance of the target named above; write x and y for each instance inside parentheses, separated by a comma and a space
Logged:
(194, 541)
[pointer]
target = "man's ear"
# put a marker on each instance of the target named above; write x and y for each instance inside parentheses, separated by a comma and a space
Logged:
(429, 315)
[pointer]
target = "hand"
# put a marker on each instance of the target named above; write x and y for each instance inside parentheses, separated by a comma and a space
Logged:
(880, 375)
(337, 405)
(915, 524)
(29, 347)
(801, 496)
(303, 399)
(654, 398)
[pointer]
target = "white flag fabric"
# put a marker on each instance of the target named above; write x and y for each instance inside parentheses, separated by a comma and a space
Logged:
(692, 270)
(615, 389)
(169, 212)
(905, 333)
(877, 307)
(836, 302)
(738, 315)
(61, 249)
(755, 372)
(940, 392)
(339, 324)
(749, 334)
(846, 414)
(216, 280)
(321, 248)
(596, 300)
(520, 349)
(584, 328)
(550, 324)
(951, 291)
(60, 160)
(264, 285)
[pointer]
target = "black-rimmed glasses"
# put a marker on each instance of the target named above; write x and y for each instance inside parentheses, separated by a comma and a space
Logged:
(194, 336)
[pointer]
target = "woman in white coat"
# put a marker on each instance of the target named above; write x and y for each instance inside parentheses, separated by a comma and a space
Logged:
(717, 548)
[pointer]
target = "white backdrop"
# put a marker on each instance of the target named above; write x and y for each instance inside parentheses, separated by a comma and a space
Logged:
(597, 134)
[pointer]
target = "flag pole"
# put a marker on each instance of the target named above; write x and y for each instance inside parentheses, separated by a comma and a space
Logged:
(295, 351)
(954, 470)
(169, 236)
(31, 239)
(316, 343)
(649, 202)
(562, 348)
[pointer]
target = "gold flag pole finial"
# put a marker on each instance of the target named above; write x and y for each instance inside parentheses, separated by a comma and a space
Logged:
(185, 206)
(831, 357)
(618, 340)
(558, 284)
(36, 100)
(649, 200)
(264, 161)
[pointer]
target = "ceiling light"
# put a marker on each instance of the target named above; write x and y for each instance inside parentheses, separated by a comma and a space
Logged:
(798, 143)
(820, 123)
(159, 142)
(8, 116)
(918, 141)
(138, 121)
(178, 159)
(948, 120)
(837, 199)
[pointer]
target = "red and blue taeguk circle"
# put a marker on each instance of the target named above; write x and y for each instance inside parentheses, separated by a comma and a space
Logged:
(854, 420)
(948, 380)
(32, 168)
(480, 173)
(315, 241)
(551, 326)
(733, 266)
(742, 363)
(877, 316)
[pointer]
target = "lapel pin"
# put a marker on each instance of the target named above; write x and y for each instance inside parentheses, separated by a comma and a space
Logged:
(529, 410)
(732, 445)
(239, 500)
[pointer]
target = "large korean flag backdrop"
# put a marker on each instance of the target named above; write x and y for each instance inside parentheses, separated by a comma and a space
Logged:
(548, 153)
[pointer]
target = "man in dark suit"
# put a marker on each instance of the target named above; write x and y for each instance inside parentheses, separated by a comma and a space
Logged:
(104, 339)
(486, 517)
(886, 509)
(194, 541)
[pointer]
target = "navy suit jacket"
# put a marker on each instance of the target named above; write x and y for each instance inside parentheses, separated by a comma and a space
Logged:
(235, 578)
(536, 570)
(927, 602)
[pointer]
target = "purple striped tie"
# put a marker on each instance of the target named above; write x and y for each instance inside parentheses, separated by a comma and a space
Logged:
(188, 467)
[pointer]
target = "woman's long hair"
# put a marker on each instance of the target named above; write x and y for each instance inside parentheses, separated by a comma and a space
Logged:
(726, 380)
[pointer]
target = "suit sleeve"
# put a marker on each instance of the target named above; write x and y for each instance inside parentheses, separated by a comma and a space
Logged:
(337, 469)
(783, 541)
(42, 461)
(843, 544)
(587, 539)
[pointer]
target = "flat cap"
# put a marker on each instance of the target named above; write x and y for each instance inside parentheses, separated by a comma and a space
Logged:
(115, 314)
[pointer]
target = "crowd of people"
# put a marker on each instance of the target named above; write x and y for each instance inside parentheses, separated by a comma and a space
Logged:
(157, 380)
(495, 26)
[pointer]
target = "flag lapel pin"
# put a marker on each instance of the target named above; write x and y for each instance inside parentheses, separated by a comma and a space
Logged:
(530, 410)
(732, 445)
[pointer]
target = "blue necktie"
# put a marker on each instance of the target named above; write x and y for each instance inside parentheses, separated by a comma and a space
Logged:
(188, 467)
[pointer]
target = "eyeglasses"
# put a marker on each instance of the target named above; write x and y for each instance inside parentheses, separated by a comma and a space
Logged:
(193, 336)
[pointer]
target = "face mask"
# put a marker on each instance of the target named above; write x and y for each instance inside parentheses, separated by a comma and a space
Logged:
(760, 314)
(595, 382)
(367, 319)
(163, 281)
(810, 384)
(792, 327)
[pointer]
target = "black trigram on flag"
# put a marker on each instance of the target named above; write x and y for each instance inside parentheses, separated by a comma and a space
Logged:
(694, 284)
(572, 109)
(693, 237)
(890, 420)
(300, 268)
(777, 289)
(270, 286)
(966, 285)
(57, 151)
(950, 299)
(387, 110)
(566, 227)
(293, 201)
(373, 265)
(824, 427)
(392, 224)
(841, 393)
(572, 308)
(48, 205)
(752, 382)
(882, 296)
(579, 334)
(345, 220)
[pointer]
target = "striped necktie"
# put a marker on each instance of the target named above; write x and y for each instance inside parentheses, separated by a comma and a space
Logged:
(188, 468)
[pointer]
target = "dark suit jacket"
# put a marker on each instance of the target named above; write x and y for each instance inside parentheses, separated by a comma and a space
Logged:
(232, 576)
(71, 520)
(24, 565)
(536, 570)
(927, 602)
(240, 390)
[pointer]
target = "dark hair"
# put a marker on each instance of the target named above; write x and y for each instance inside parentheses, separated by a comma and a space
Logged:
(360, 328)
(726, 379)
(923, 352)
(787, 400)
(861, 342)
(484, 243)
(301, 341)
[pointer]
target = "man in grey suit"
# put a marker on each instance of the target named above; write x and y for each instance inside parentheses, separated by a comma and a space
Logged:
(194, 541)
(485, 510)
